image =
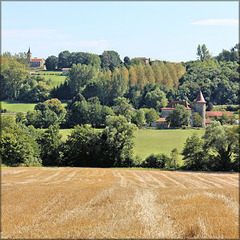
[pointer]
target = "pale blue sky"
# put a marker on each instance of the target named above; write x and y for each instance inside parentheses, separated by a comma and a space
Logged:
(161, 30)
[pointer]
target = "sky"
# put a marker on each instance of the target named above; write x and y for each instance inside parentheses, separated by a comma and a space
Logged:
(163, 30)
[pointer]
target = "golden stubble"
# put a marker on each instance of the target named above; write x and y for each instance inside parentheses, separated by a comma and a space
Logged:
(53, 203)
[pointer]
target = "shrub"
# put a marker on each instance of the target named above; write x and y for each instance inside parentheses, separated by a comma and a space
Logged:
(156, 161)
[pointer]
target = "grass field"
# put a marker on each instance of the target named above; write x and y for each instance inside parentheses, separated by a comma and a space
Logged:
(55, 76)
(162, 141)
(88, 203)
(148, 141)
(15, 106)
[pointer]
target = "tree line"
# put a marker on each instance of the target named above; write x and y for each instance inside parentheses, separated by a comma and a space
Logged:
(21, 145)
(107, 77)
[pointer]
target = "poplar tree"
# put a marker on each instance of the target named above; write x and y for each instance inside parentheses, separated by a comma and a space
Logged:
(132, 76)
(167, 80)
(124, 72)
(149, 73)
(141, 78)
(157, 73)
(173, 74)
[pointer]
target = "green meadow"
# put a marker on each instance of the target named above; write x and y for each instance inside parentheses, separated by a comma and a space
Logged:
(148, 141)
(15, 106)
(55, 76)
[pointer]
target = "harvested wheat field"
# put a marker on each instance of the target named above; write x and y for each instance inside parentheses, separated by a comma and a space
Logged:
(118, 203)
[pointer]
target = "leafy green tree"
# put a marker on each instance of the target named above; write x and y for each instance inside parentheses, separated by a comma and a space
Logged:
(51, 63)
(153, 97)
(203, 52)
(82, 148)
(156, 161)
(179, 116)
(42, 116)
(232, 55)
(50, 143)
(79, 76)
(117, 142)
(18, 147)
(110, 60)
(20, 118)
(56, 106)
(64, 59)
(219, 143)
(118, 87)
(94, 60)
(193, 155)
(151, 115)
(123, 107)
(39, 93)
(139, 118)
(13, 75)
(197, 120)
(127, 62)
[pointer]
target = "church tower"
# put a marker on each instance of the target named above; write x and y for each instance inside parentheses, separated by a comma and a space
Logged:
(29, 55)
(200, 107)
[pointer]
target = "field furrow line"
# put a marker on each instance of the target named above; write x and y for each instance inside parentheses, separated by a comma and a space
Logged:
(225, 182)
(153, 180)
(213, 184)
(177, 183)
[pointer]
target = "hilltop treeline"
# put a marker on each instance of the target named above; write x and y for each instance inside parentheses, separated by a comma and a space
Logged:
(107, 77)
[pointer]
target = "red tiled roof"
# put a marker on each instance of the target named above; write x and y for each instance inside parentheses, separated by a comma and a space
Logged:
(66, 68)
(200, 98)
(218, 113)
(36, 60)
(143, 58)
(208, 120)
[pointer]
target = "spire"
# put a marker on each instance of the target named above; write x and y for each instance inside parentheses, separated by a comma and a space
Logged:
(29, 51)
(200, 98)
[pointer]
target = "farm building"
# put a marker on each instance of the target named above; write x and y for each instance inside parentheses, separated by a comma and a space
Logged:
(143, 59)
(65, 71)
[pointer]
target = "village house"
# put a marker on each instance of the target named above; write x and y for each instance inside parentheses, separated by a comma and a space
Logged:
(143, 59)
(65, 71)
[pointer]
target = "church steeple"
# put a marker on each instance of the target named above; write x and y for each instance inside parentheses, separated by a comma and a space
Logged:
(29, 54)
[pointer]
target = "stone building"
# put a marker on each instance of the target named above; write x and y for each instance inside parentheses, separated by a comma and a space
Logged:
(199, 106)
(35, 62)
(143, 59)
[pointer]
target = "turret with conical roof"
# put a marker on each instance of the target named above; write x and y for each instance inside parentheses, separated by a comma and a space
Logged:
(200, 107)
